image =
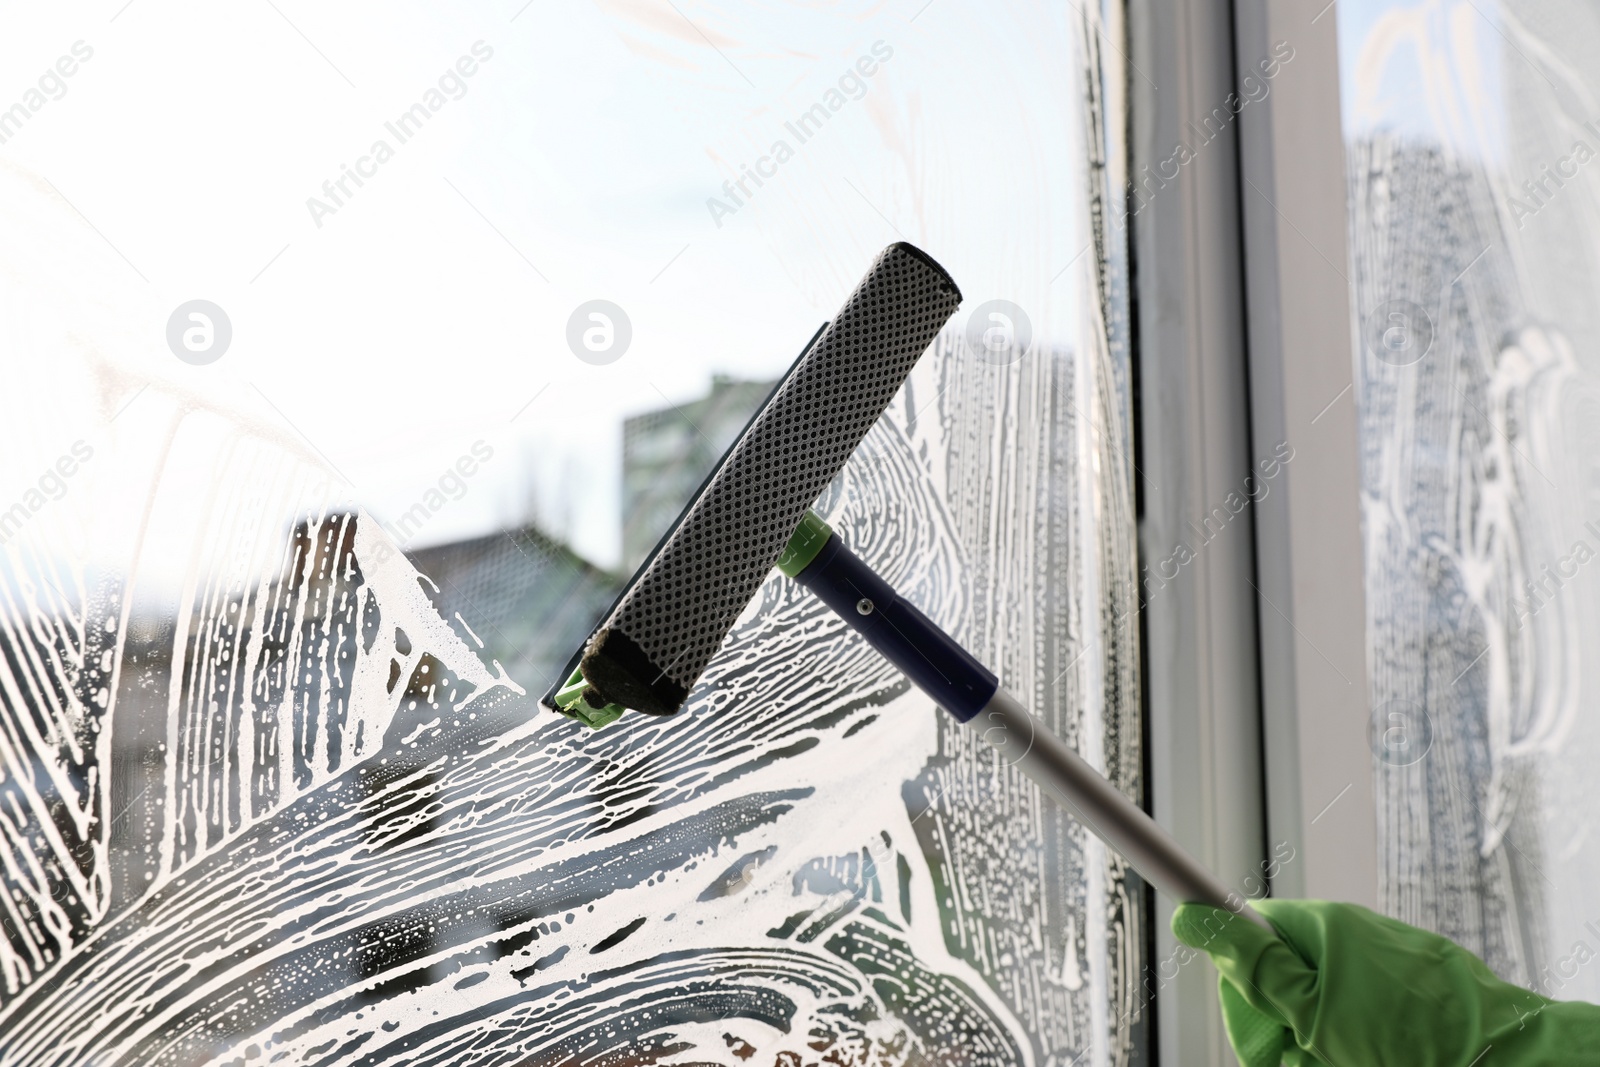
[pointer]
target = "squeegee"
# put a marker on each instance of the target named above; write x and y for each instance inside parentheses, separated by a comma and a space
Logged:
(753, 513)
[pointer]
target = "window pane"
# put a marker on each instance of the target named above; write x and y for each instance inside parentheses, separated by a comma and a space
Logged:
(354, 358)
(1475, 239)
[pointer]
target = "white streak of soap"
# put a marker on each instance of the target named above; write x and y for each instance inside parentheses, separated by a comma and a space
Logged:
(395, 583)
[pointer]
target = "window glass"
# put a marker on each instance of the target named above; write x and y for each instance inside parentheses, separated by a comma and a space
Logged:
(354, 356)
(1472, 129)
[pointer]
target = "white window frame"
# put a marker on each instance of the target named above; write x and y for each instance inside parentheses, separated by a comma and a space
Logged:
(1255, 651)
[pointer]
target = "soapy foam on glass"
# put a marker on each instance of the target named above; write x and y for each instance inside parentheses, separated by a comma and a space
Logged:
(267, 792)
(1477, 469)
(400, 855)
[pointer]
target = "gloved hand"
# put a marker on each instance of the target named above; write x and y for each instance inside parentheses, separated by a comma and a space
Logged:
(1347, 987)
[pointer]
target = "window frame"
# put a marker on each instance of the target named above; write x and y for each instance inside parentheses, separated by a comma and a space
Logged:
(1255, 651)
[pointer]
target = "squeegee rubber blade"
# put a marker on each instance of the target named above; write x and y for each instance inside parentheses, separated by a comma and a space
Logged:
(669, 622)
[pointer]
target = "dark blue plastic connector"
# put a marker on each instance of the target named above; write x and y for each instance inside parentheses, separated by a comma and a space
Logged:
(903, 635)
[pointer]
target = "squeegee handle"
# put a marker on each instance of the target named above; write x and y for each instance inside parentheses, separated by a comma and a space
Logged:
(970, 692)
(1023, 741)
(906, 637)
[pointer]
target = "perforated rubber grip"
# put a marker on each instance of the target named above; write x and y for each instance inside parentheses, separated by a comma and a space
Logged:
(674, 615)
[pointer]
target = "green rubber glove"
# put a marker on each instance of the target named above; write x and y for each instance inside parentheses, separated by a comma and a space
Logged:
(1347, 987)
